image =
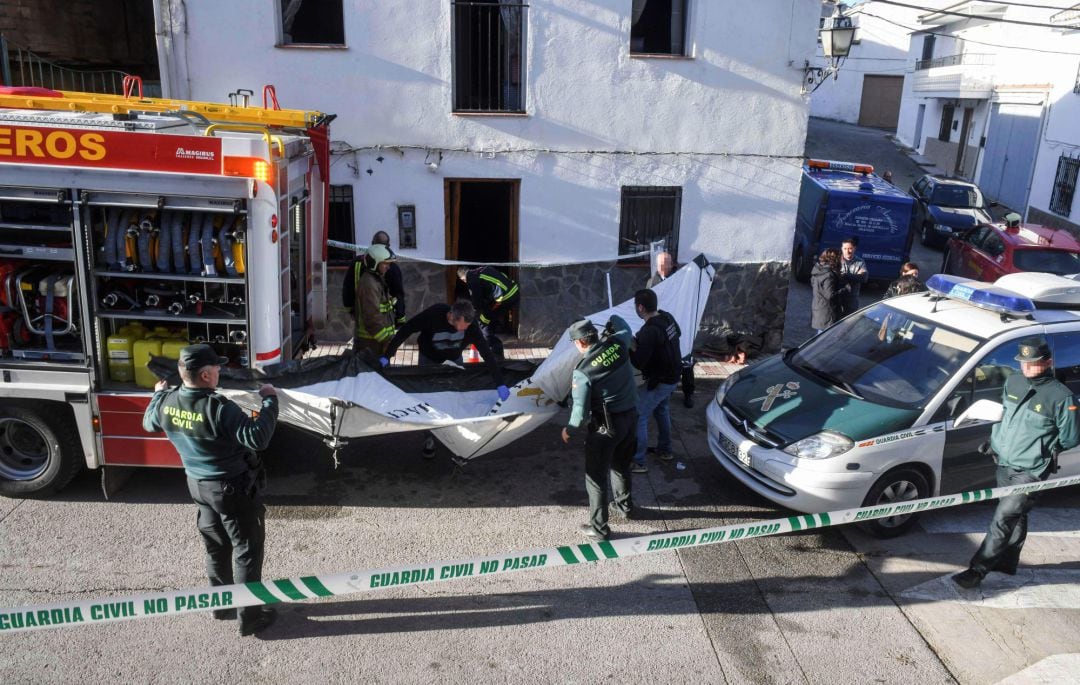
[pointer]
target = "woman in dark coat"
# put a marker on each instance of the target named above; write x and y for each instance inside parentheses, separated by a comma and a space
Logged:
(825, 284)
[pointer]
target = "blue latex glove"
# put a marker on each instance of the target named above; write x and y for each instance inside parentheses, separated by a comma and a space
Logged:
(384, 361)
(503, 391)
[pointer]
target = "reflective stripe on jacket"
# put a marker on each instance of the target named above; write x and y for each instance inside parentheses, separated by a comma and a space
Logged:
(374, 307)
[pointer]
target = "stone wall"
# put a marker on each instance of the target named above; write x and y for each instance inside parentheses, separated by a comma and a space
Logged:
(1043, 218)
(943, 155)
(747, 298)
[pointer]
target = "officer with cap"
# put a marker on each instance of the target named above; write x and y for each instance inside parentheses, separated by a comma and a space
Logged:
(605, 394)
(218, 444)
(1039, 421)
(1012, 220)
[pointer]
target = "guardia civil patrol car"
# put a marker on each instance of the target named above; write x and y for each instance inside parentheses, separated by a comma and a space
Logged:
(864, 413)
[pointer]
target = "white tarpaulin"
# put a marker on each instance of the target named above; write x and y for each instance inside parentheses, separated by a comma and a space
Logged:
(472, 422)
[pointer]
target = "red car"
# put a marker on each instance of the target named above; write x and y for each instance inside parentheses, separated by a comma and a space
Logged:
(989, 251)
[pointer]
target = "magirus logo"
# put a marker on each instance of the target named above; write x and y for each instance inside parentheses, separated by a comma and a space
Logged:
(205, 155)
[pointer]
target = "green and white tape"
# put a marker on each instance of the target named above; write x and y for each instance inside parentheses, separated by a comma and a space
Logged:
(302, 588)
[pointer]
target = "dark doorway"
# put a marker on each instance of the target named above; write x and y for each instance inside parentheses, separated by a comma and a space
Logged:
(481, 226)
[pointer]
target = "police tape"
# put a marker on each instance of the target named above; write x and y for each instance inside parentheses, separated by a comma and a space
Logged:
(521, 265)
(178, 602)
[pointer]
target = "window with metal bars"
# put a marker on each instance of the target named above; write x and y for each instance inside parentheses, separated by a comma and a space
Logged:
(1064, 185)
(489, 55)
(341, 224)
(648, 214)
(658, 27)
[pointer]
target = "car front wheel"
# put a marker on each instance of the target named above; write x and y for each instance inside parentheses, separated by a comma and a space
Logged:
(895, 487)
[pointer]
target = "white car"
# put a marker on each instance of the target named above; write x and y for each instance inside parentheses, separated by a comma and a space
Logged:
(864, 413)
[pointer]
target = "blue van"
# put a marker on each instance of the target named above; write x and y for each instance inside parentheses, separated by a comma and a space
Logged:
(840, 199)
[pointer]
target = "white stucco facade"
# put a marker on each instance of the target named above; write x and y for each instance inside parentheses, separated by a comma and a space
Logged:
(727, 123)
(1061, 132)
(1016, 80)
(881, 48)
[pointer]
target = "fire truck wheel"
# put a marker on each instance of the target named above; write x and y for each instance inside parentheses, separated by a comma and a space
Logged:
(895, 487)
(39, 449)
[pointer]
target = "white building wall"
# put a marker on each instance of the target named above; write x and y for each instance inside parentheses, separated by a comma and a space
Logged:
(1061, 129)
(882, 49)
(730, 121)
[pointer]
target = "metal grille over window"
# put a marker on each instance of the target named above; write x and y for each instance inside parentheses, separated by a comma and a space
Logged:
(489, 55)
(648, 214)
(341, 223)
(1064, 185)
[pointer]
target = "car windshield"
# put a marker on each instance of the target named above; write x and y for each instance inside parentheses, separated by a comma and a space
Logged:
(958, 197)
(1048, 261)
(886, 356)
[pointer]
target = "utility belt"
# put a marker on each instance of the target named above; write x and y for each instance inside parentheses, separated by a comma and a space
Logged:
(248, 482)
(602, 420)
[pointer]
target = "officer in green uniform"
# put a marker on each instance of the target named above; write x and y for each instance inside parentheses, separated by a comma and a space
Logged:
(217, 442)
(1039, 421)
(604, 393)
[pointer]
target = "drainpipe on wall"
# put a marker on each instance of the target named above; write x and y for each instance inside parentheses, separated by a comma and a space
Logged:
(170, 34)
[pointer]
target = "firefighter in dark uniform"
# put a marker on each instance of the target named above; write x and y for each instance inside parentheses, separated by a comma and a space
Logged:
(218, 444)
(605, 395)
(494, 294)
(1039, 421)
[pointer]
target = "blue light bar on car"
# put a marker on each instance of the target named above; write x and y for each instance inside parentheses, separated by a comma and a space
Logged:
(980, 294)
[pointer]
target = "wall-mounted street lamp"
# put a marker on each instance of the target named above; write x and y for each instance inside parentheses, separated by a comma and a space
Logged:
(837, 35)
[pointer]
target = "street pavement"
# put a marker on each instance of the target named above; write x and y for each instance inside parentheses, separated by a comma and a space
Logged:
(822, 606)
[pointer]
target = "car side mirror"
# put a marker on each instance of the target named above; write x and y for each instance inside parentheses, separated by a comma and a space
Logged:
(992, 204)
(983, 410)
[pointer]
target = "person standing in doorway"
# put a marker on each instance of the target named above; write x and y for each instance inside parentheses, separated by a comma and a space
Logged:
(605, 398)
(656, 354)
(665, 266)
(1039, 422)
(219, 444)
(853, 275)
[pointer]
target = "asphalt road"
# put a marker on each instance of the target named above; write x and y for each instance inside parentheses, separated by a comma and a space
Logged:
(768, 610)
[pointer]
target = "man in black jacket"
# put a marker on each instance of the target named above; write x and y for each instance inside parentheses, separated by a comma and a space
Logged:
(656, 354)
(665, 267)
(445, 330)
(218, 444)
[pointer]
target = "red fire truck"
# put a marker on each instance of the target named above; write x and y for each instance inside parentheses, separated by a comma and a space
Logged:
(130, 227)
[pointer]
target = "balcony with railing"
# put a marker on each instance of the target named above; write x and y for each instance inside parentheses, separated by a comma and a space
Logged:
(21, 67)
(966, 75)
